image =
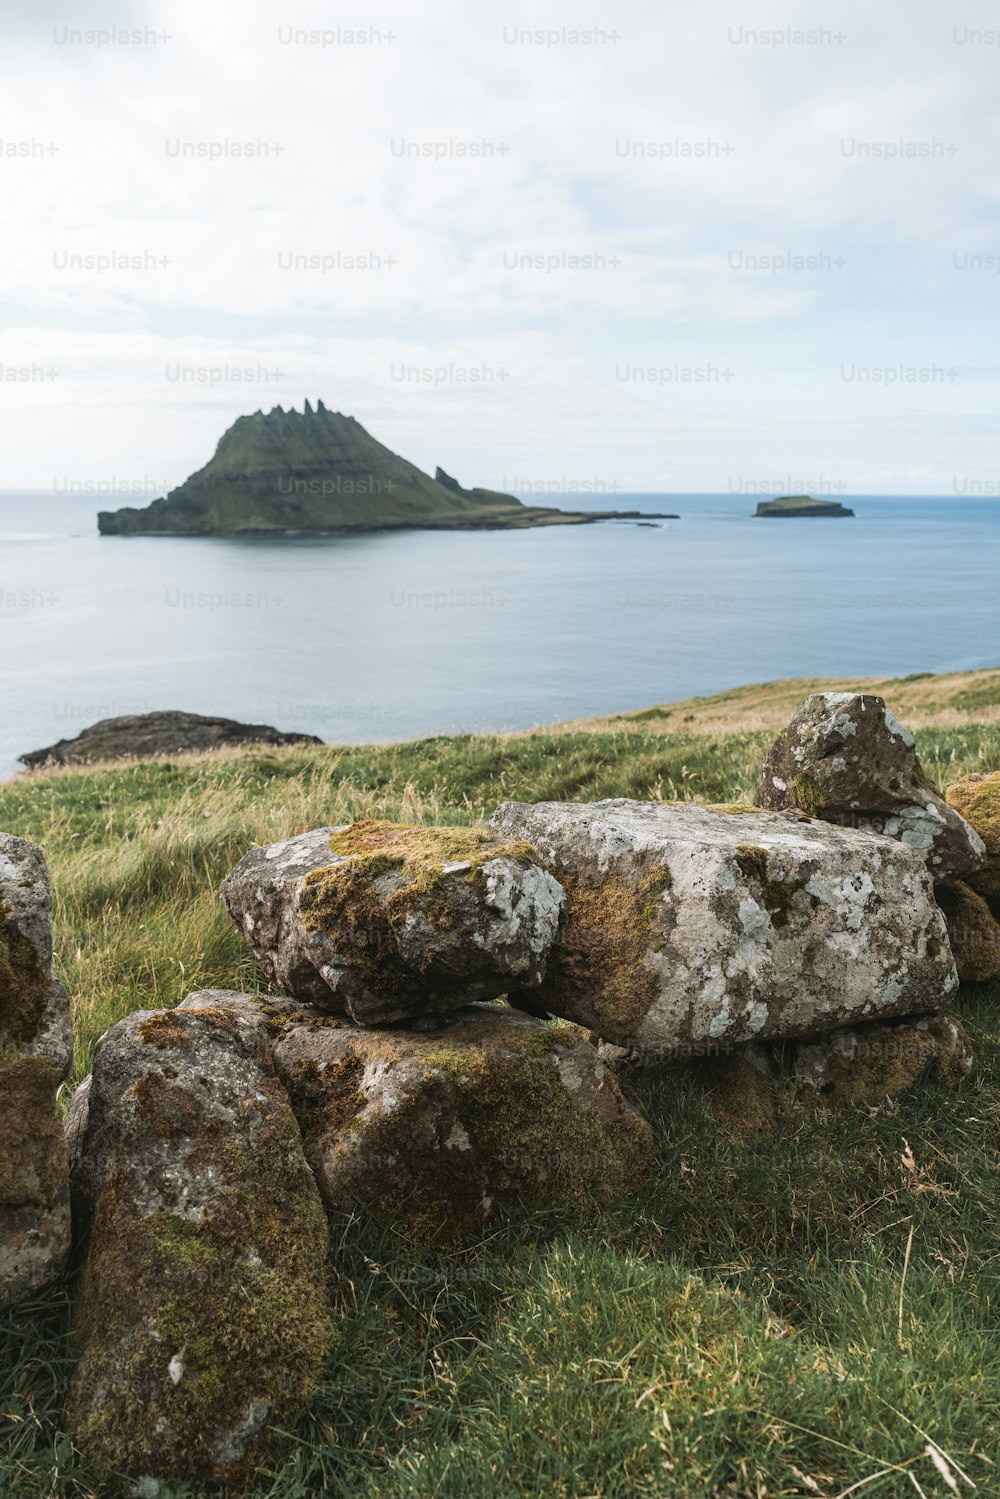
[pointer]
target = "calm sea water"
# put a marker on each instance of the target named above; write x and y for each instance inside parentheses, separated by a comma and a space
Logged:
(395, 636)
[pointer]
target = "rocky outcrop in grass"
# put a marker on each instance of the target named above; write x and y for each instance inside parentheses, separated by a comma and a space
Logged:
(138, 735)
(769, 960)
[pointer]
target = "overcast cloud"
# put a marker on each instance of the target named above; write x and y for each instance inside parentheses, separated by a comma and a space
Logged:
(539, 260)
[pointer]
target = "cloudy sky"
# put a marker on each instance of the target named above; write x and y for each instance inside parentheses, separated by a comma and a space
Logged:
(653, 245)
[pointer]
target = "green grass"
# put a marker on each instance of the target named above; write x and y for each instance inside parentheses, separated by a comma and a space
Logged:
(734, 1331)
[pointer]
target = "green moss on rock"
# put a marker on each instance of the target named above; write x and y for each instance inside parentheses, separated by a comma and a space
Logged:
(977, 798)
(352, 900)
(973, 932)
(881, 1061)
(808, 795)
(612, 925)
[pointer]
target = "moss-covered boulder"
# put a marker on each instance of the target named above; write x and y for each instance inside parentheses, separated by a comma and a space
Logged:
(973, 931)
(443, 1133)
(385, 922)
(689, 926)
(36, 1044)
(203, 1316)
(746, 1088)
(866, 1063)
(846, 759)
(977, 798)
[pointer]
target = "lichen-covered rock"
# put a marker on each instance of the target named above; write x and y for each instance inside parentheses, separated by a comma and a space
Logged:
(977, 799)
(688, 926)
(871, 1062)
(441, 1133)
(203, 1317)
(36, 1045)
(846, 759)
(385, 923)
(973, 931)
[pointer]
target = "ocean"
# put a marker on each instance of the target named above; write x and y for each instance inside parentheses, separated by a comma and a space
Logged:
(400, 635)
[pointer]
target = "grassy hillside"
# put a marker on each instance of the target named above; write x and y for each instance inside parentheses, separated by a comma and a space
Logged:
(927, 699)
(753, 1325)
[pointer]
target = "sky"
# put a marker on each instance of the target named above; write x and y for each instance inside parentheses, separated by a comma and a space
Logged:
(640, 247)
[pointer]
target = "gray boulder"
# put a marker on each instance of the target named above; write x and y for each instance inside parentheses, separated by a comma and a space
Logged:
(846, 759)
(36, 1047)
(688, 926)
(387, 923)
(203, 1317)
(443, 1133)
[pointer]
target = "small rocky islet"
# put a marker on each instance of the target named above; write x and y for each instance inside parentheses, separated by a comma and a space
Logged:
(801, 506)
(800, 950)
(318, 472)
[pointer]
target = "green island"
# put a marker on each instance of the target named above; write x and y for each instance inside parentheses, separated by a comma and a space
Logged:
(317, 472)
(792, 505)
(792, 1292)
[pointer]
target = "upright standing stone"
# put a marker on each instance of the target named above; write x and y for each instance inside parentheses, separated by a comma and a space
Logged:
(688, 926)
(203, 1317)
(36, 1046)
(846, 759)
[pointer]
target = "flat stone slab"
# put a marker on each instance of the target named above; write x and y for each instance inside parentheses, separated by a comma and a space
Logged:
(444, 1133)
(688, 926)
(385, 922)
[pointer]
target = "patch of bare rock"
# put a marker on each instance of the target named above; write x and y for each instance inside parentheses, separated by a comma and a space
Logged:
(806, 951)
